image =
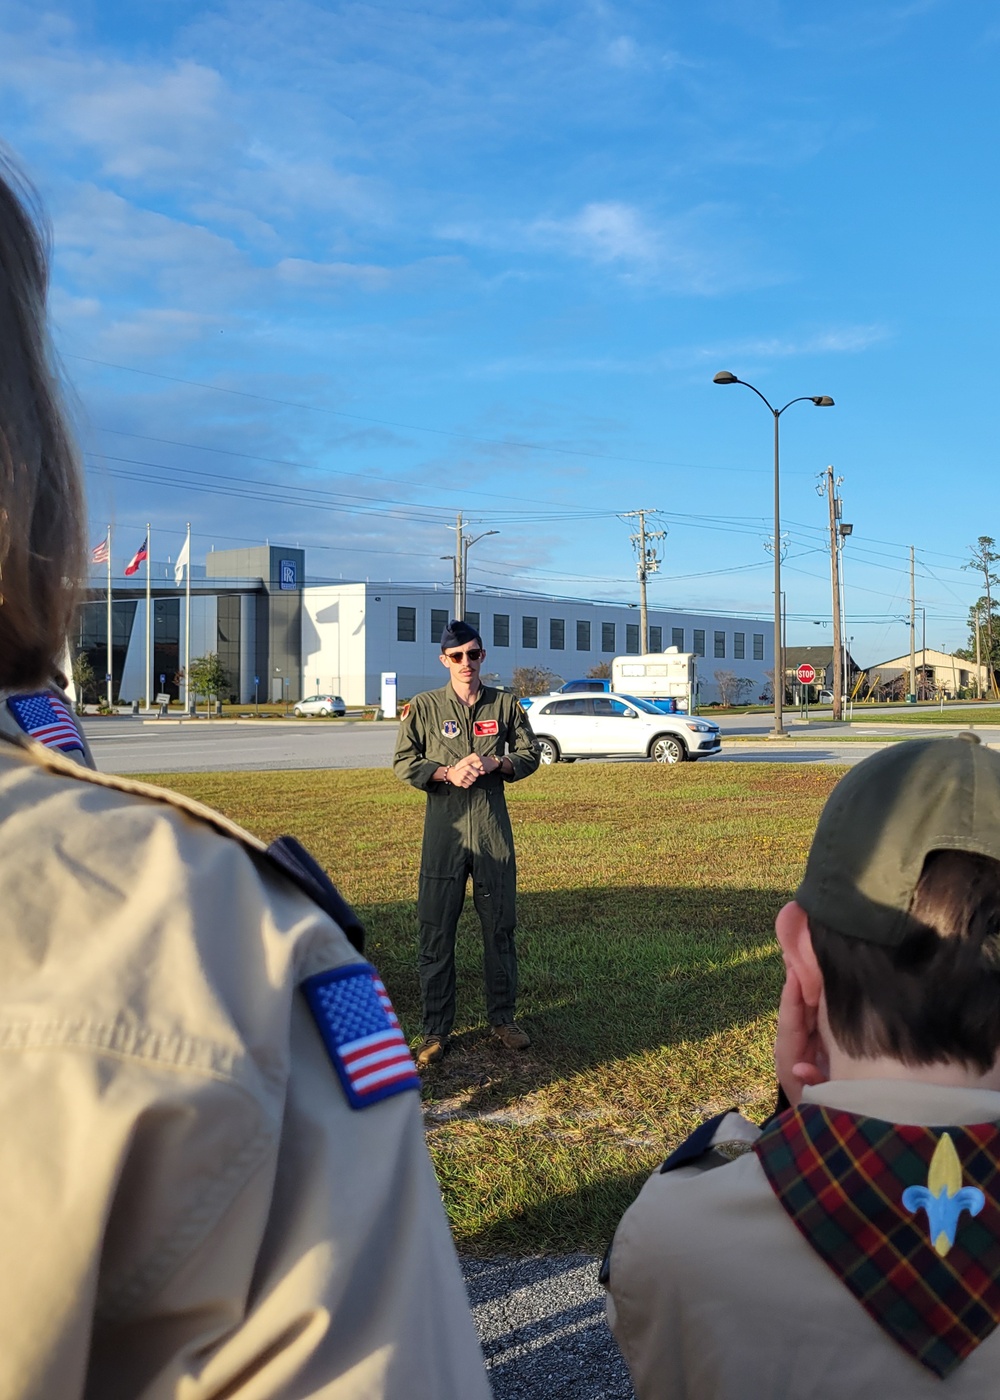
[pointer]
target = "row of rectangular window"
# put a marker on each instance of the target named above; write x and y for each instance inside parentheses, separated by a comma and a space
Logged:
(406, 631)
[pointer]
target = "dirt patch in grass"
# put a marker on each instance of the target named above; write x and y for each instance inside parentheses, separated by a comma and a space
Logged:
(649, 972)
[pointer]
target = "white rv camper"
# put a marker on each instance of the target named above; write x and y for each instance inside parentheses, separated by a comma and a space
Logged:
(658, 675)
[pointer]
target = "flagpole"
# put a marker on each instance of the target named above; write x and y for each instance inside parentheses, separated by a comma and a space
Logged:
(187, 625)
(149, 624)
(110, 682)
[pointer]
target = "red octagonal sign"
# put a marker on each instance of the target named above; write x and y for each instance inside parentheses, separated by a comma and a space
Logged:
(806, 673)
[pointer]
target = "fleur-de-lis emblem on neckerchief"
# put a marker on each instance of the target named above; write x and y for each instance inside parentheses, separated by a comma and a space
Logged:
(944, 1197)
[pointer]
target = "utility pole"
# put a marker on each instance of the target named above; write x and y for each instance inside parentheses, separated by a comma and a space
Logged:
(913, 633)
(979, 673)
(459, 601)
(838, 668)
(463, 543)
(648, 563)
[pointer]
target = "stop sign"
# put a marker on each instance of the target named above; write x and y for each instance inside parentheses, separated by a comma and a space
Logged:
(806, 673)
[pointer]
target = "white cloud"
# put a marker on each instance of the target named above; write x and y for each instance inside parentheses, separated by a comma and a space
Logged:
(623, 52)
(604, 232)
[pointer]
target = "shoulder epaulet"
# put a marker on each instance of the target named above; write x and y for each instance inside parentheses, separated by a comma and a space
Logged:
(726, 1127)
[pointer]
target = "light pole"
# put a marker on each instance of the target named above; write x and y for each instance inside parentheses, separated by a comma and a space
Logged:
(467, 542)
(821, 401)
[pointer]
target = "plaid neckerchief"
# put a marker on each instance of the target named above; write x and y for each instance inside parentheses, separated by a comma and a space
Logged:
(926, 1268)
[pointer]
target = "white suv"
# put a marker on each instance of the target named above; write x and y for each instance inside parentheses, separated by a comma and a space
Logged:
(569, 727)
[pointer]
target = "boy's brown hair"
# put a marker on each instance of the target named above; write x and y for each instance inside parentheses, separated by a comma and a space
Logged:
(41, 495)
(935, 995)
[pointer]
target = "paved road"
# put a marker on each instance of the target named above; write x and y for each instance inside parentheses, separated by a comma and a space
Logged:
(134, 746)
(127, 745)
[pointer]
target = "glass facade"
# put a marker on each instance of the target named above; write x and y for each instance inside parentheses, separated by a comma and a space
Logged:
(632, 638)
(583, 636)
(656, 639)
(529, 632)
(720, 644)
(699, 641)
(739, 645)
(758, 646)
(557, 633)
(501, 629)
(677, 638)
(608, 636)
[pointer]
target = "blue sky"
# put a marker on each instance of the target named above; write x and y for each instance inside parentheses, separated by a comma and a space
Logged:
(328, 273)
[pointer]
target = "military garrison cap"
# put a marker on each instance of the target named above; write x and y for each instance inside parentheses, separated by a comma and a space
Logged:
(457, 633)
(881, 822)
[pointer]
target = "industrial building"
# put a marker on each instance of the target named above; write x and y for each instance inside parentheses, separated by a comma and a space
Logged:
(280, 635)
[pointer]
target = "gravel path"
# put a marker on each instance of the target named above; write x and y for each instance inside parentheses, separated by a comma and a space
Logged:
(541, 1323)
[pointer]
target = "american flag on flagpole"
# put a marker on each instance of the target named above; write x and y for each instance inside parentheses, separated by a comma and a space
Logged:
(101, 553)
(132, 567)
(362, 1035)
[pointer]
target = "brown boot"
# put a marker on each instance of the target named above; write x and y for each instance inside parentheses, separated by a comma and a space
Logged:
(434, 1048)
(511, 1036)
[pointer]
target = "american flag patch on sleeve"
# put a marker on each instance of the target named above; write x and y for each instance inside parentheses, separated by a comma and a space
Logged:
(363, 1038)
(45, 718)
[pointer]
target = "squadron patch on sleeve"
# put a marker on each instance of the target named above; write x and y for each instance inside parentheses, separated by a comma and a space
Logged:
(46, 719)
(450, 729)
(354, 1015)
(405, 710)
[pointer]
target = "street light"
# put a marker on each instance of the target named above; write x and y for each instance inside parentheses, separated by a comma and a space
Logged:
(821, 401)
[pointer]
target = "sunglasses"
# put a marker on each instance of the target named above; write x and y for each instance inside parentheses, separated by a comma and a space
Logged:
(457, 657)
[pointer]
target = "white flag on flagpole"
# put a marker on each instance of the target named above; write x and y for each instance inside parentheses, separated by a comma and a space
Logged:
(183, 561)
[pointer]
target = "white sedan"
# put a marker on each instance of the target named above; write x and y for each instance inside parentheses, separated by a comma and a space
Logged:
(321, 705)
(568, 727)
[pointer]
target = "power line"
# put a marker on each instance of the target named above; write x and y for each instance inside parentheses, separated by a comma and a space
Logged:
(417, 427)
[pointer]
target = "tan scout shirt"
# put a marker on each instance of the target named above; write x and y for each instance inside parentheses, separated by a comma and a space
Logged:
(188, 1206)
(714, 1294)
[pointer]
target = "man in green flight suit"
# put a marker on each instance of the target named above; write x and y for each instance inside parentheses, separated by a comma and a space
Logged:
(460, 745)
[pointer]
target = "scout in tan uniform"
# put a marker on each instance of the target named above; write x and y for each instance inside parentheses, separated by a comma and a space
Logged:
(461, 745)
(854, 1248)
(214, 1180)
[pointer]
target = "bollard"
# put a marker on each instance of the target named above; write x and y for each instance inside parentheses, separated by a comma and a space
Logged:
(135, 707)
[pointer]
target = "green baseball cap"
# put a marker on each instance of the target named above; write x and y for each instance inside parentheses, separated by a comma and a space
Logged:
(881, 822)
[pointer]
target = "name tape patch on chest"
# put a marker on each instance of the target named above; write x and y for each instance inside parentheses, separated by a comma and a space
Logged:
(46, 719)
(354, 1015)
(483, 728)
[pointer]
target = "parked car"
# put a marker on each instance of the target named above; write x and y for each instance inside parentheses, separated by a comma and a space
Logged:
(320, 705)
(588, 683)
(569, 727)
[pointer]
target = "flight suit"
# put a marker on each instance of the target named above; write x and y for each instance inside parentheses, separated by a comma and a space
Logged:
(204, 1192)
(466, 832)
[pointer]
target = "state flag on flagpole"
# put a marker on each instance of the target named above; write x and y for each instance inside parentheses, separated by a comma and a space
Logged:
(183, 561)
(101, 552)
(132, 567)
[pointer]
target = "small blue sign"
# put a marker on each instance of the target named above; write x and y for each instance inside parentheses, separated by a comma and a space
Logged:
(288, 573)
(256, 680)
(162, 678)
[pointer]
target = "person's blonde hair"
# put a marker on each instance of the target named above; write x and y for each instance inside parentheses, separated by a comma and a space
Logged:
(41, 491)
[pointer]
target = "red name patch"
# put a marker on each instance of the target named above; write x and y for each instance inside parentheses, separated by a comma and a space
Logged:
(481, 728)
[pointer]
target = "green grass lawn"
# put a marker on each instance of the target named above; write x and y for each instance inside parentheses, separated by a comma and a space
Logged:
(649, 973)
(985, 714)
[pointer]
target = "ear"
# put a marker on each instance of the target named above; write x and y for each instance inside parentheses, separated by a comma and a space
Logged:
(795, 940)
(443, 660)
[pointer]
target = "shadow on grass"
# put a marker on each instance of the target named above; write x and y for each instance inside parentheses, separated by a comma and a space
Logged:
(605, 974)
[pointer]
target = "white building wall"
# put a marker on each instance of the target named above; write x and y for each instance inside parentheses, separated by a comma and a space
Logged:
(352, 631)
